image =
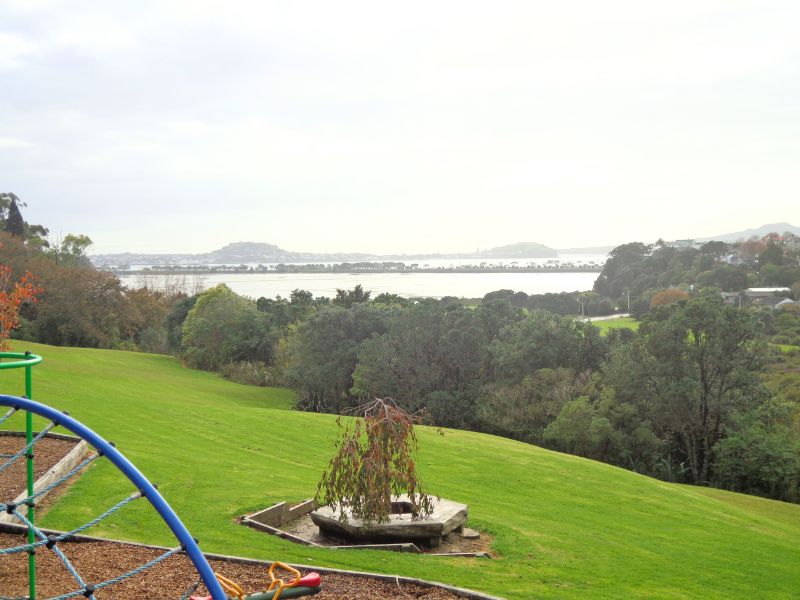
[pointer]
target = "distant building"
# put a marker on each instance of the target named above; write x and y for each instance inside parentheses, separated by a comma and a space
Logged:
(785, 303)
(683, 244)
(733, 259)
(766, 292)
(733, 298)
(774, 297)
(774, 302)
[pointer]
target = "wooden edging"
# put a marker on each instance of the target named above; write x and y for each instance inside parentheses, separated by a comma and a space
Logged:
(462, 592)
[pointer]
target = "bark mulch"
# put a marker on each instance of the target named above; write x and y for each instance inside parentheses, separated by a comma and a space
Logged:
(98, 561)
(46, 453)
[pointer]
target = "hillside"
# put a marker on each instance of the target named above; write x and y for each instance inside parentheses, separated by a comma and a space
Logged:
(757, 232)
(565, 527)
(257, 252)
(521, 250)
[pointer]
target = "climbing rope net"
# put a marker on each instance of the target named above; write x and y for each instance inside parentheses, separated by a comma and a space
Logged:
(51, 542)
(41, 540)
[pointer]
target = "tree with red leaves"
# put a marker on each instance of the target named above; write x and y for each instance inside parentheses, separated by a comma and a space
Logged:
(13, 294)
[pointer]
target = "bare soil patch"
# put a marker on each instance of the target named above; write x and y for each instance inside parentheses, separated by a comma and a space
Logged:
(97, 561)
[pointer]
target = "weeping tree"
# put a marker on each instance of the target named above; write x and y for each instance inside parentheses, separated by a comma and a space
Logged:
(373, 463)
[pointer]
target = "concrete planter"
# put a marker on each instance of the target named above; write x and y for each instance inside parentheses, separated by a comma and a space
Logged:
(447, 516)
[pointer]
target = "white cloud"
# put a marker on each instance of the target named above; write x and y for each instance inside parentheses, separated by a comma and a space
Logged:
(10, 143)
(13, 51)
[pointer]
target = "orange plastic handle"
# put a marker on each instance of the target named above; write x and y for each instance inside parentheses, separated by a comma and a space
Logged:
(230, 587)
(278, 584)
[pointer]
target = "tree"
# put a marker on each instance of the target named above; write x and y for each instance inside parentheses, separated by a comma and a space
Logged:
(322, 353)
(81, 307)
(374, 461)
(72, 249)
(693, 367)
(431, 356)
(12, 296)
(772, 255)
(223, 327)
(670, 296)
(523, 410)
(760, 457)
(15, 225)
(750, 249)
(621, 269)
(347, 298)
(174, 318)
(545, 341)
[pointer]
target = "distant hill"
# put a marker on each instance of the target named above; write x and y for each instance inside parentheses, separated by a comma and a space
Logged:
(521, 250)
(254, 252)
(587, 250)
(748, 233)
(258, 252)
(233, 254)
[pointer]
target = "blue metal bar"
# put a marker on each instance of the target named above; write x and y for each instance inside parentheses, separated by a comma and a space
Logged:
(135, 476)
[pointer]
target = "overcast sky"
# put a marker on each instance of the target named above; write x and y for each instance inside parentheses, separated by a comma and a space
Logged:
(399, 126)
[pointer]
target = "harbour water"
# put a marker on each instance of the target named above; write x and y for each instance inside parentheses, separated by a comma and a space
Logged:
(409, 284)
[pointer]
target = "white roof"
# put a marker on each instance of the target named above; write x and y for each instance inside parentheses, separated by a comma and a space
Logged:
(766, 290)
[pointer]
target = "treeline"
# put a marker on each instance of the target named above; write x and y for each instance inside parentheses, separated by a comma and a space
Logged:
(77, 305)
(635, 272)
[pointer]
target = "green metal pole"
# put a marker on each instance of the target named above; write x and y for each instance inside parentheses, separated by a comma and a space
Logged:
(29, 438)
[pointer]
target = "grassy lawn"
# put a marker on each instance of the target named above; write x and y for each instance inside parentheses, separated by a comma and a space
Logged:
(786, 348)
(621, 323)
(565, 527)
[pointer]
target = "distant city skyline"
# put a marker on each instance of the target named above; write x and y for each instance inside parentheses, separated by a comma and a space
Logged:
(175, 127)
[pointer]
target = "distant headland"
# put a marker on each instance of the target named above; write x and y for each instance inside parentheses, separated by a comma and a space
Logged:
(258, 252)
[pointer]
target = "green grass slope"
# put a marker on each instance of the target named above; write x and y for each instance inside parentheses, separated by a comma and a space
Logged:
(620, 323)
(565, 527)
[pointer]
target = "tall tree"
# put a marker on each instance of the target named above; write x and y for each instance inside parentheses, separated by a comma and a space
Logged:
(12, 222)
(221, 328)
(323, 350)
(694, 366)
(15, 225)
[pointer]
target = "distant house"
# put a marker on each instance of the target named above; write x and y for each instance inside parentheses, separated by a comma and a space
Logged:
(774, 302)
(733, 259)
(734, 298)
(766, 292)
(774, 297)
(683, 244)
(786, 302)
